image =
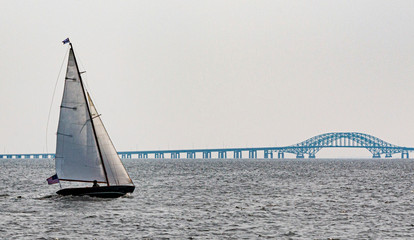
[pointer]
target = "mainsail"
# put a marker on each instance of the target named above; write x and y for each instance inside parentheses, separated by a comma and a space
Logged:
(84, 151)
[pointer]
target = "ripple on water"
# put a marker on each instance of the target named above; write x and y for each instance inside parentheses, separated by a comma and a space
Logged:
(219, 199)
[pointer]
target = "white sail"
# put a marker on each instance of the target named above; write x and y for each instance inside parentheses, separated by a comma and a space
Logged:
(117, 175)
(77, 154)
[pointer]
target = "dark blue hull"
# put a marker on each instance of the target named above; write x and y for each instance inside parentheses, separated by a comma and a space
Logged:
(102, 192)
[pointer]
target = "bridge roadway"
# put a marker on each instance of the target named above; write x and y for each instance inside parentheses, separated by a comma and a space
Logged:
(308, 147)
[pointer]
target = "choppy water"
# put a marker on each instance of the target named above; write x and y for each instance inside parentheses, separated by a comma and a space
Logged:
(218, 199)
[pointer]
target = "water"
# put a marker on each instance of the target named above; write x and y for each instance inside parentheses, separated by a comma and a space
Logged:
(218, 199)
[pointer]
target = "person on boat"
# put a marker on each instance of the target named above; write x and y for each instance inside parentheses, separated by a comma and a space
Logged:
(95, 183)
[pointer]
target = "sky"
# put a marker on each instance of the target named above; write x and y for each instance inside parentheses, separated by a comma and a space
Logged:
(210, 74)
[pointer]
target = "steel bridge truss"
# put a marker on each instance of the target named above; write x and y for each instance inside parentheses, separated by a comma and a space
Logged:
(346, 140)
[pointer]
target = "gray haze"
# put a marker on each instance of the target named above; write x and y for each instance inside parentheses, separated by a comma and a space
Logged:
(204, 74)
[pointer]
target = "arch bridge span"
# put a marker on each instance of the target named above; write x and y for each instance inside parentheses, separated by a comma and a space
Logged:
(373, 144)
(308, 148)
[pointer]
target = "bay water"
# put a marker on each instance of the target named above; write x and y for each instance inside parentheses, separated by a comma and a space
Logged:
(218, 199)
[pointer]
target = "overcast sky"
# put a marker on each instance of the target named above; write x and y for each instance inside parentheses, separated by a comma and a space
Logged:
(207, 74)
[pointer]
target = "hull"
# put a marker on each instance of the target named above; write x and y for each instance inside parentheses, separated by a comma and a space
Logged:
(102, 192)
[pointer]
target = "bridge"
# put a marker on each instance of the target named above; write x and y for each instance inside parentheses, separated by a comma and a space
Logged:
(308, 148)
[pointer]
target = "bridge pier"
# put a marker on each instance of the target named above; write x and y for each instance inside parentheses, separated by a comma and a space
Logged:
(312, 155)
(191, 155)
(376, 155)
(237, 154)
(206, 155)
(222, 154)
(388, 155)
(142, 155)
(159, 155)
(300, 155)
(175, 155)
(268, 154)
(252, 154)
(405, 155)
(280, 155)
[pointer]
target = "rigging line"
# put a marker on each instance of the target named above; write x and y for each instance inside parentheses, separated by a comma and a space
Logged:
(53, 96)
(85, 79)
(88, 121)
(85, 76)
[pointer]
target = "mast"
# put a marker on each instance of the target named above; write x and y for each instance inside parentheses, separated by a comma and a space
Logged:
(90, 115)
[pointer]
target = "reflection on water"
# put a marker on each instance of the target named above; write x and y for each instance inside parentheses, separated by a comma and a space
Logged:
(282, 199)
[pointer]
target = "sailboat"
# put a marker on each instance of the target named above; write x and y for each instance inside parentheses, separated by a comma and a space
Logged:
(84, 150)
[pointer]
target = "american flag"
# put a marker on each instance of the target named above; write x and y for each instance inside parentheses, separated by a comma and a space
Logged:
(53, 179)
